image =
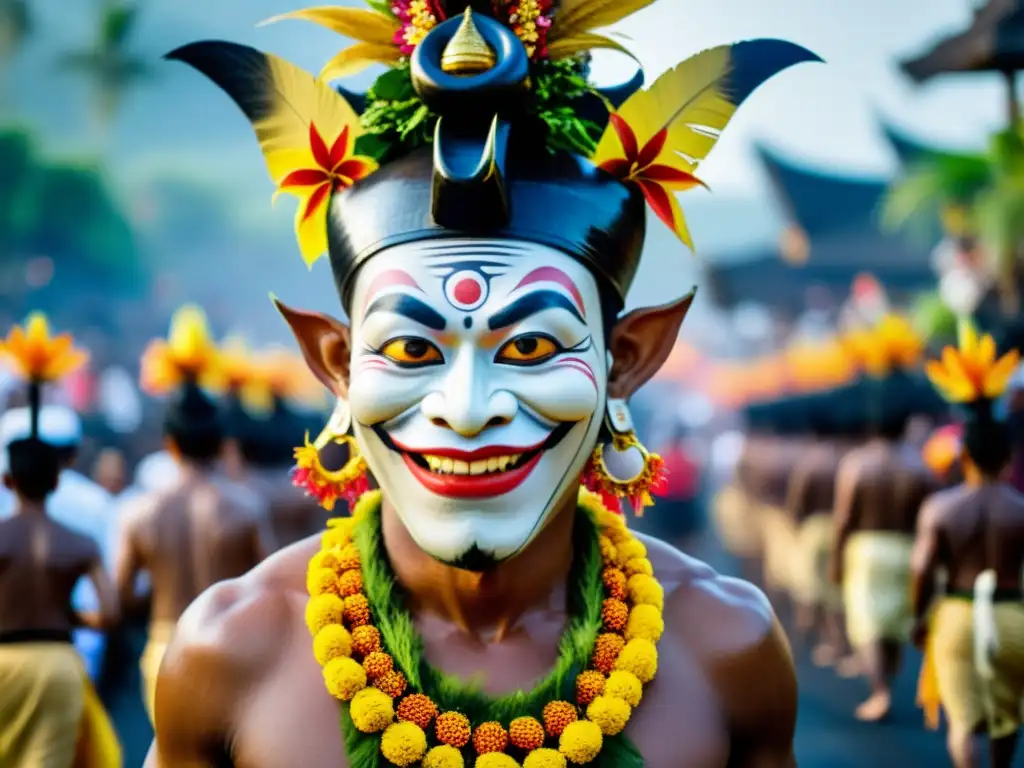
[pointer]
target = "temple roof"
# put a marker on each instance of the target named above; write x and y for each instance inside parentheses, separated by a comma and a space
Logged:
(993, 42)
(818, 201)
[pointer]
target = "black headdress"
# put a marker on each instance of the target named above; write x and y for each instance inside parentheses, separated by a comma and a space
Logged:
(485, 125)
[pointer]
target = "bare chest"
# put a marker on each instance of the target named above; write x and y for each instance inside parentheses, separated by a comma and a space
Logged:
(292, 720)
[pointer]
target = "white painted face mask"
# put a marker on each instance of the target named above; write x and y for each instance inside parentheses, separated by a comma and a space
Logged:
(477, 388)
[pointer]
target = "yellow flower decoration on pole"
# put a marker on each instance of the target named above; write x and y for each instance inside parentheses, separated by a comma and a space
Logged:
(972, 372)
(38, 356)
(892, 344)
(188, 353)
(243, 375)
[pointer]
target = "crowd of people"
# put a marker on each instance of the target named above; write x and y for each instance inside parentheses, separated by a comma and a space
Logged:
(883, 512)
(89, 565)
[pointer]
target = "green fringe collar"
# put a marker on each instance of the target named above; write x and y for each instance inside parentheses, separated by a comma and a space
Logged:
(402, 641)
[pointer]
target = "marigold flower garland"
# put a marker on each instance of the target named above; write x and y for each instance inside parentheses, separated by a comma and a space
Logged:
(359, 670)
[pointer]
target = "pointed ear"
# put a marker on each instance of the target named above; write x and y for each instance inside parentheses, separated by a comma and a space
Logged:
(325, 344)
(641, 343)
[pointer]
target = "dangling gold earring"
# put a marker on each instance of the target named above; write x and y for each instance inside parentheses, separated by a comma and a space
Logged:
(325, 485)
(634, 482)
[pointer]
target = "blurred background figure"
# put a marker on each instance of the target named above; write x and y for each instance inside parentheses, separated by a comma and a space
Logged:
(110, 471)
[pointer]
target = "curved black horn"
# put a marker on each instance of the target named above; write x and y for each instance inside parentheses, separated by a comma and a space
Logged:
(616, 94)
(355, 99)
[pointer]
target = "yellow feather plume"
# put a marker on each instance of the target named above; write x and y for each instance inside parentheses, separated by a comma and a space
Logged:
(373, 32)
(188, 354)
(570, 45)
(575, 17)
(694, 101)
(37, 355)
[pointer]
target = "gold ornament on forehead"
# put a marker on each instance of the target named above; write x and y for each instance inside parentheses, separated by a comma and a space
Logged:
(467, 53)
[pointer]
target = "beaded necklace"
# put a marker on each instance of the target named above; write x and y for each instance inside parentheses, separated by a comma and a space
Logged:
(402, 711)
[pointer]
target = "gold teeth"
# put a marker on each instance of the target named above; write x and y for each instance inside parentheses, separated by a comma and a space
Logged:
(445, 466)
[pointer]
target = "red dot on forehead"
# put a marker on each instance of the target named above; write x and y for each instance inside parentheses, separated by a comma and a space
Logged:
(466, 291)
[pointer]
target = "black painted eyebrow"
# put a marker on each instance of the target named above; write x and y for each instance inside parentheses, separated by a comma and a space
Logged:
(531, 304)
(407, 306)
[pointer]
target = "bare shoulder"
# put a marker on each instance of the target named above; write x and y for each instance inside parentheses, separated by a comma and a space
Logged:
(743, 620)
(232, 633)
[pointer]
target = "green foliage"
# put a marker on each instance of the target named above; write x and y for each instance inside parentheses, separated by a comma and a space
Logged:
(933, 318)
(63, 211)
(397, 122)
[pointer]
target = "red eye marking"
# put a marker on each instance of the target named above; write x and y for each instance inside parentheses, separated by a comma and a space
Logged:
(388, 279)
(578, 365)
(557, 276)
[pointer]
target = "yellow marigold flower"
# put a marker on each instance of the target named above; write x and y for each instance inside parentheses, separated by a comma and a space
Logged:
(350, 583)
(639, 565)
(495, 760)
(581, 741)
(639, 657)
(393, 684)
(417, 708)
(646, 622)
(336, 538)
(444, 757)
(366, 640)
(614, 614)
(608, 552)
(490, 737)
(629, 550)
(610, 714)
(323, 610)
(357, 610)
(348, 557)
(344, 677)
(644, 590)
(606, 651)
(371, 710)
(544, 758)
(624, 685)
(452, 728)
(332, 642)
(378, 664)
(404, 744)
(327, 558)
(526, 733)
(589, 685)
(557, 716)
(614, 583)
(321, 581)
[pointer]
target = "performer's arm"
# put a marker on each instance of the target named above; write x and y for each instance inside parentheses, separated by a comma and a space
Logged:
(925, 564)
(760, 689)
(109, 613)
(223, 645)
(127, 568)
(796, 492)
(847, 479)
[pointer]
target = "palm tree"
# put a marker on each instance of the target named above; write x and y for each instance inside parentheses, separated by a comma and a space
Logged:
(15, 26)
(107, 63)
(977, 197)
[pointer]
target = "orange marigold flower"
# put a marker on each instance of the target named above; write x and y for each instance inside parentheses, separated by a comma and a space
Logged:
(608, 551)
(417, 708)
(589, 685)
(490, 737)
(557, 715)
(357, 610)
(452, 728)
(526, 733)
(392, 683)
(614, 614)
(377, 665)
(350, 583)
(348, 557)
(365, 640)
(614, 583)
(606, 651)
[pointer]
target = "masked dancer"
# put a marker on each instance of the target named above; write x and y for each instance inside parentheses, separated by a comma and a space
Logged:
(484, 220)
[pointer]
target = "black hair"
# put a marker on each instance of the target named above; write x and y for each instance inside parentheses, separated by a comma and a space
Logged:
(34, 468)
(986, 440)
(194, 423)
(270, 442)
